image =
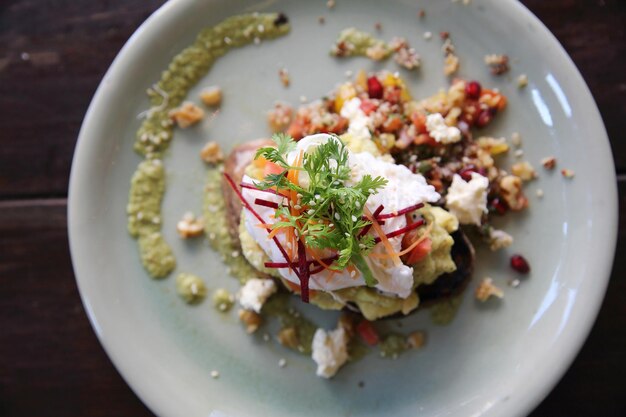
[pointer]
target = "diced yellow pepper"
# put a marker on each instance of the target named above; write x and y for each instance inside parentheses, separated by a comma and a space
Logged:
(344, 93)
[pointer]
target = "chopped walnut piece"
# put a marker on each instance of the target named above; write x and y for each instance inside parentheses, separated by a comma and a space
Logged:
(495, 146)
(330, 4)
(251, 320)
(486, 290)
(186, 115)
(511, 189)
(499, 239)
(516, 139)
(190, 226)
(211, 96)
(451, 64)
(416, 340)
(524, 170)
(377, 52)
(499, 64)
(567, 173)
(211, 153)
(549, 162)
(522, 81)
(283, 74)
(407, 58)
(280, 117)
(287, 336)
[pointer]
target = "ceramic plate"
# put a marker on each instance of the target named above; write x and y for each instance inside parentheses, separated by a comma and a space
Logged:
(497, 359)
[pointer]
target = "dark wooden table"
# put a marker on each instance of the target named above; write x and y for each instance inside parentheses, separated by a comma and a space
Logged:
(53, 54)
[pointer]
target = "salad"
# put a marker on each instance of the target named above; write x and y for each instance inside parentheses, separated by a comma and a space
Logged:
(364, 202)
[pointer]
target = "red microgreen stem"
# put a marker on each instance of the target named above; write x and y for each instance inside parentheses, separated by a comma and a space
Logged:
(402, 231)
(265, 203)
(400, 212)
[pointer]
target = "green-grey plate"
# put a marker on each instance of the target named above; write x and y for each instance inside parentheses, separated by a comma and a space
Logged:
(497, 359)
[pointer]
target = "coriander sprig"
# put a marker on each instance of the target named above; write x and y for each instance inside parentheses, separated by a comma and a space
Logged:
(330, 213)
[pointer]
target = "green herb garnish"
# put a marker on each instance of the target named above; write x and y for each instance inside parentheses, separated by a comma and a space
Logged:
(331, 212)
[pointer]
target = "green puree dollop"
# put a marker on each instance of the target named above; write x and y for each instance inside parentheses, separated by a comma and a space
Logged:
(155, 134)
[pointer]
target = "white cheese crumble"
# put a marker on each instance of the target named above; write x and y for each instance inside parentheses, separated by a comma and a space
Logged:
(329, 351)
(358, 126)
(255, 292)
(468, 200)
(440, 131)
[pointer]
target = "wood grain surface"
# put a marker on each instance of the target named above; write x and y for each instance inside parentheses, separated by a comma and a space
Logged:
(53, 54)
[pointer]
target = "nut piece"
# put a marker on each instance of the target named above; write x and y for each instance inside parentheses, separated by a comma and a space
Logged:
(377, 52)
(524, 170)
(511, 188)
(486, 290)
(451, 64)
(280, 117)
(288, 337)
(211, 96)
(522, 81)
(499, 64)
(549, 162)
(283, 74)
(186, 115)
(495, 146)
(190, 226)
(416, 340)
(251, 320)
(211, 153)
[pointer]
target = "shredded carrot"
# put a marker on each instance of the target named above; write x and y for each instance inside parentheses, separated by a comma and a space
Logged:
(383, 238)
(264, 225)
(405, 251)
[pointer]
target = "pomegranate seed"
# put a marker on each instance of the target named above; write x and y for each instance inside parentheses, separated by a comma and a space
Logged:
(520, 264)
(484, 118)
(499, 206)
(473, 89)
(466, 173)
(374, 88)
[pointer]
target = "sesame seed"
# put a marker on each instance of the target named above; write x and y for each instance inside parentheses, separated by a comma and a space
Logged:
(303, 99)
(317, 196)
(139, 215)
(257, 40)
(428, 35)
(235, 254)
(540, 193)
(215, 374)
(261, 28)
(337, 216)
(348, 73)
(227, 40)
(297, 206)
(25, 56)
(354, 218)
(514, 283)
(266, 337)
(519, 153)
(282, 362)
(311, 212)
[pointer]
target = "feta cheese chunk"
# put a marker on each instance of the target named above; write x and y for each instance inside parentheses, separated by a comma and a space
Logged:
(329, 351)
(468, 200)
(255, 292)
(440, 131)
(358, 126)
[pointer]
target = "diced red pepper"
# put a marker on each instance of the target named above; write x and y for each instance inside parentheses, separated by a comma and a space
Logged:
(366, 331)
(420, 251)
(368, 106)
